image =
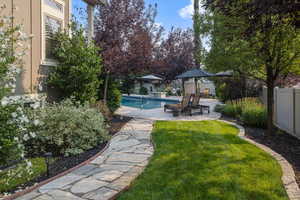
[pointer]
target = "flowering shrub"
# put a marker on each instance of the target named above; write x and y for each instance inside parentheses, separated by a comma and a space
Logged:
(12, 118)
(65, 129)
(13, 121)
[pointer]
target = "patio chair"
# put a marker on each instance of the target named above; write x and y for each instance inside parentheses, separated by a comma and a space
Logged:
(196, 104)
(183, 107)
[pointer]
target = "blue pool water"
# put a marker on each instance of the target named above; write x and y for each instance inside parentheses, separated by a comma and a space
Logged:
(145, 103)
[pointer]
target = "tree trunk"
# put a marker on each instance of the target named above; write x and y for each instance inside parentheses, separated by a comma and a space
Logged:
(270, 101)
(105, 88)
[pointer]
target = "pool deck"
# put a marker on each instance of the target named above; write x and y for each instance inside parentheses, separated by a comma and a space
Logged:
(159, 114)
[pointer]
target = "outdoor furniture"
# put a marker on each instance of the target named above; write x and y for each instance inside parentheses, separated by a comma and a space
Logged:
(195, 104)
(183, 107)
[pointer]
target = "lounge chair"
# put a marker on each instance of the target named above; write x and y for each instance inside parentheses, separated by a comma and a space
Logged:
(182, 107)
(196, 104)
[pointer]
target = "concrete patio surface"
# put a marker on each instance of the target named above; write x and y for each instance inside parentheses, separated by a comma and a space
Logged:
(159, 114)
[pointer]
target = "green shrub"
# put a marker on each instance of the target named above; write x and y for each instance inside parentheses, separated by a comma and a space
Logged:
(79, 67)
(249, 110)
(13, 44)
(114, 95)
(255, 116)
(8, 182)
(219, 108)
(230, 110)
(9, 135)
(143, 91)
(66, 129)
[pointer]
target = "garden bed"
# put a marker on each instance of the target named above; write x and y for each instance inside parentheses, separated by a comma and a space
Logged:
(61, 164)
(281, 142)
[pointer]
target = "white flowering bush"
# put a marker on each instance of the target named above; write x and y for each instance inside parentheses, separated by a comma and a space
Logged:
(64, 129)
(12, 118)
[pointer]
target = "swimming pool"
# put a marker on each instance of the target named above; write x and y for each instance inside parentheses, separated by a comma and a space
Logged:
(145, 103)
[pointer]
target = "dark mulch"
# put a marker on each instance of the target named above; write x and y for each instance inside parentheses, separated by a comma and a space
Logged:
(281, 142)
(64, 163)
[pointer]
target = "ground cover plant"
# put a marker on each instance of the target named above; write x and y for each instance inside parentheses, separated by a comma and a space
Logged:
(8, 182)
(206, 160)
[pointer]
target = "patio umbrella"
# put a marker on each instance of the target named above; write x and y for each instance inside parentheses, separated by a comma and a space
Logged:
(194, 73)
(151, 77)
(199, 73)
(224, 74)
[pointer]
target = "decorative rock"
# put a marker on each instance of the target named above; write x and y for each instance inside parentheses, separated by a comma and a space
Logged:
(108, 175)
(86, 185)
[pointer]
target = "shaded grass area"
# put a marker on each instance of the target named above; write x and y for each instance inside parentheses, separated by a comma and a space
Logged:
(38, 168)
(206, 160)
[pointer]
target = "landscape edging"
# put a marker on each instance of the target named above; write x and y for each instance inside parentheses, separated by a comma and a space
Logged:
(34, 187)
(288, 174)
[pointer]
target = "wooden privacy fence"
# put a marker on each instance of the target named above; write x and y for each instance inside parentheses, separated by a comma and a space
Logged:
(286, 109)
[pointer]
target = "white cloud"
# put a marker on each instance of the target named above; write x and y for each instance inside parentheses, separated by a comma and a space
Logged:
(188, 11)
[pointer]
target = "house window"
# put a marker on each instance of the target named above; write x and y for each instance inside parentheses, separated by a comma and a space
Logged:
(52, 26)
(54, 4)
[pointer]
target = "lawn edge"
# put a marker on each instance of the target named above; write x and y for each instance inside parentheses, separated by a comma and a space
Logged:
(288, 174)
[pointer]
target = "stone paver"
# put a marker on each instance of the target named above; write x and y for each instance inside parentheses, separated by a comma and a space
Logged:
(125, 158)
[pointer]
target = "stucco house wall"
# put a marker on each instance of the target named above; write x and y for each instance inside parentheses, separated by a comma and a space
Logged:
(32, 15)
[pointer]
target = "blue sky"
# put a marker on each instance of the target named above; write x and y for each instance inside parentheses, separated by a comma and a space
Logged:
(170, 12)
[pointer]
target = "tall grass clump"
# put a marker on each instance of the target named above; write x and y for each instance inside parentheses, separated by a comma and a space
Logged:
(249, 110)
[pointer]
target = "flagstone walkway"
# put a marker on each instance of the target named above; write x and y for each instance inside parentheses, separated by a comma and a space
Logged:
(125, 158)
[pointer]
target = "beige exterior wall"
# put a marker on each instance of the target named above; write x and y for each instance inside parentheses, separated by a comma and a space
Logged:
(30, 13)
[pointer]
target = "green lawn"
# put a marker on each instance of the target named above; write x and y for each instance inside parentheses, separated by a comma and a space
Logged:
(206, 161)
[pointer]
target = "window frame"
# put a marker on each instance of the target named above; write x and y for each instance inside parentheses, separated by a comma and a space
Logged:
(48, 11)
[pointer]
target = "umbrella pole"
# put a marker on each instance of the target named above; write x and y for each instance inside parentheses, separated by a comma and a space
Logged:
(196, 86)
(183, 88)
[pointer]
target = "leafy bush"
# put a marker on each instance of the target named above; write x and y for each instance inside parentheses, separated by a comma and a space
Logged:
(226, 89)
(219, 108)
(113, 95)
(9, 136)
(255, 116)
(12, 49)
(103, 108)
(8, 182)
(79, 67)
(143, 91)
(249, 110)
(66, 129)
(127, 85)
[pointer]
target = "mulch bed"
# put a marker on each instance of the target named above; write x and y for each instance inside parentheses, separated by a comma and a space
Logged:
(281, 142)
(64, 163)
